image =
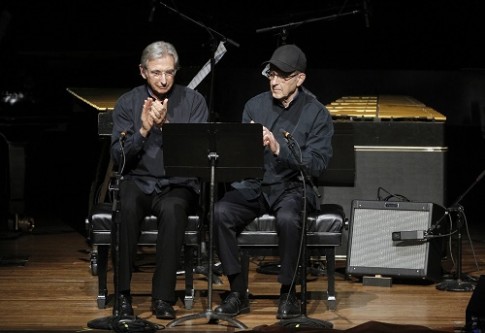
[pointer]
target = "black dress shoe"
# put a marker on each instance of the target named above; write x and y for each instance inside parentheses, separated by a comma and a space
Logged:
(124, 305)
(162, 309)
(289, 306)
(233, 305)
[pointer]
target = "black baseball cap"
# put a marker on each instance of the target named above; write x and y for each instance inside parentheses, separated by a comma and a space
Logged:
(288, 58)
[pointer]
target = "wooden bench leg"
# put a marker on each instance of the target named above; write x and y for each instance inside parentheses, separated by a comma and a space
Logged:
(102, 268)
(189, 277)
(245, 267)
(331, 299)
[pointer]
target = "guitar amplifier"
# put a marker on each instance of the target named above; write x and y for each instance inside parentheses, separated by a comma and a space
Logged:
(389, 238)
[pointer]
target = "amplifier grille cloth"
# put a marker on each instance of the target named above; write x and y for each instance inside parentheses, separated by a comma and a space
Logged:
(372, 243)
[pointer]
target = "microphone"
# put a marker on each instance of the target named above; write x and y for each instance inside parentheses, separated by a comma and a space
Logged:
(123, 136)
(152, 11)
(286, 134)
(420, 235)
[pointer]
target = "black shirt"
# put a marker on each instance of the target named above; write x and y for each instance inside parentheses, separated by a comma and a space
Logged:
(144, 156)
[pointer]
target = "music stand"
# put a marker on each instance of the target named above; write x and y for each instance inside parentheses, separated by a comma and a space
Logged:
(213, 152)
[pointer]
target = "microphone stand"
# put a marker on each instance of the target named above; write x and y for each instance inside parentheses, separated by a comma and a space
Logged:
(213, 43)
(116, 322)
(284, 28)
(303, 320)
(458, 284)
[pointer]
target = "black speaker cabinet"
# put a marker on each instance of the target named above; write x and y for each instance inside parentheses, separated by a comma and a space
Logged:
(373, 251)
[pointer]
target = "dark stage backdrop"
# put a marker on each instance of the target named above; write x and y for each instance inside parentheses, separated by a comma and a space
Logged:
(432, 51)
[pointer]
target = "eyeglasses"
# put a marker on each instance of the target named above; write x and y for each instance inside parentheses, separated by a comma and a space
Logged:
(273, 74)
(158, 74)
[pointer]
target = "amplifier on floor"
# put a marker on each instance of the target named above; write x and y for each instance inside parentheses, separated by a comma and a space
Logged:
(390, 238)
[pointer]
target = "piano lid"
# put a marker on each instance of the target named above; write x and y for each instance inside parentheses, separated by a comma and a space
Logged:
(385, 107)
(102, 99)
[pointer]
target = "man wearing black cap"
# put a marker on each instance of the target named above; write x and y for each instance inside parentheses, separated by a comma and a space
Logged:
(289, 114)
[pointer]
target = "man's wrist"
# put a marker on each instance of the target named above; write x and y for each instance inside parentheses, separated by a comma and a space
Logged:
(277, 152)
(144, 132)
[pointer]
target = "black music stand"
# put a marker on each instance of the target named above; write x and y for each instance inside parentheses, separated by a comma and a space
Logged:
(213, 152)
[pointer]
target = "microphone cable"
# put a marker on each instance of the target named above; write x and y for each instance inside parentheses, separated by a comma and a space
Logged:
(134, 326)
(299, 159)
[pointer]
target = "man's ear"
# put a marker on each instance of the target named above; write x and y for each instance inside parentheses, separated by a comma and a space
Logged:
(301, 79)
(142, 71)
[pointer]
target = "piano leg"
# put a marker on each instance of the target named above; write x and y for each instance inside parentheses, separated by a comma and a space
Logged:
(17, 221)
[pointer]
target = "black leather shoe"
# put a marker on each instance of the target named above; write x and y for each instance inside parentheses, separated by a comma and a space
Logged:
(233, 305)
(289, 306)
(162, 309)
(124, 303)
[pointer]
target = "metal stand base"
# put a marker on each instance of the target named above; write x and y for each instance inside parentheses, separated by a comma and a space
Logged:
(455, 285)
(212, 317)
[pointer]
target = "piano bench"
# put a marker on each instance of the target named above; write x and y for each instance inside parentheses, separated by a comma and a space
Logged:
(324, 234)
(98, 226)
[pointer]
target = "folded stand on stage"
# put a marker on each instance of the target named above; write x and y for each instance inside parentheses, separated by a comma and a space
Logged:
(214, 152)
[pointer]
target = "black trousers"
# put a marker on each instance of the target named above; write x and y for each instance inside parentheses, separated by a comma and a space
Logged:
(172, 208)
(233, 212)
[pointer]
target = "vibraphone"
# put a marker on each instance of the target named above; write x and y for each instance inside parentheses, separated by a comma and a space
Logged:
(386, 107)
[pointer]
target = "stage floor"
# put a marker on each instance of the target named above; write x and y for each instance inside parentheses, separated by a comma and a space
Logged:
(46, 284)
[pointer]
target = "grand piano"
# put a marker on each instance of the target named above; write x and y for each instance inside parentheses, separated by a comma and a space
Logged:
(384, 146)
